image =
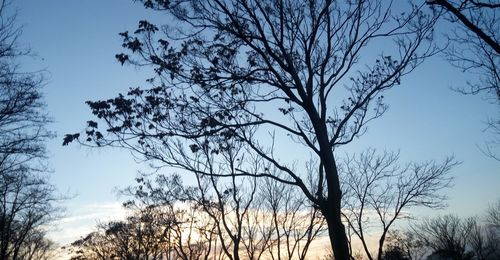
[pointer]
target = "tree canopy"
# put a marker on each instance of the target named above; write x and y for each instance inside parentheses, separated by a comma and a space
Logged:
(237, 80)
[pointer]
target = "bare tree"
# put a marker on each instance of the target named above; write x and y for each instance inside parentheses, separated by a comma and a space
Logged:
(274, 221)
(378, 191)
(27, 206)
(475, 47)
(170, 224)
(288, 68)
(452, 237)
(493, 214)
(27, 199)
(447, 236)
(288, 224)
(188, 231)
(404, 245)
(141, 236)
(483, 241)
(486, 238)
(250, 218)
(39, 247)
(92, 246)
(22, 110)
(490, 149)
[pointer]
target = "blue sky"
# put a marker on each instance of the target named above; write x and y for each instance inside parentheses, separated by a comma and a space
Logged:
(76, 40)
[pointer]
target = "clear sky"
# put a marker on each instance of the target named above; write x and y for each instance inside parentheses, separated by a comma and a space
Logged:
(76, 40)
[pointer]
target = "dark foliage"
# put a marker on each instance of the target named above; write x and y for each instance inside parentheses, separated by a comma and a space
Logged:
(233, 71)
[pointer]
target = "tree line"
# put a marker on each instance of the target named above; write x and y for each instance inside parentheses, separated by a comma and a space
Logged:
(449, 237)
(181, 222)
(159, 227)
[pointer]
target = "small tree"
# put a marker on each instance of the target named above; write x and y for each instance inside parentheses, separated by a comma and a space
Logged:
(27, 205)
(141, 236)
(92, 246)
(38, 246)
(404, 244)
(378, 192)
(447, 236)
(493, 214)
(483, 241)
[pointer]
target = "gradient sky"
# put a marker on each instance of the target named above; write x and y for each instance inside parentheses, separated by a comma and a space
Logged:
(76, 40)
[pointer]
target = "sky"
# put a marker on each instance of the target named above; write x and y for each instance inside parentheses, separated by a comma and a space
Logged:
(75, 41)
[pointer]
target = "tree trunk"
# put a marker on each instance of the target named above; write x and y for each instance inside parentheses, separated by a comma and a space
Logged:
(331, 206)
(336, 231)
(331, 209)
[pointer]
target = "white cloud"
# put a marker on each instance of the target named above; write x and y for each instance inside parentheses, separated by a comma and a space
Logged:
(82, 220)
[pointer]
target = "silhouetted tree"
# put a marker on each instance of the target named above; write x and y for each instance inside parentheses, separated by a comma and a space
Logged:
(22, 110)
(475, 47)
(187, 231)
(236, 70)
(377, 191)
(486, 238)
(27, 205)
(273, 221)
(404, 244)
(290, 222)
(484, 241)
(446, 235)
(491, 147)
(493, 214)
(475, 44)
(38, 246)
(453, 238)
(394, 253)
(141, 236)
(27, 200)
(92, 246)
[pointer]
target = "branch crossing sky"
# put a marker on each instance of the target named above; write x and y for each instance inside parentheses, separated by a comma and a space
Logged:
(76, 41)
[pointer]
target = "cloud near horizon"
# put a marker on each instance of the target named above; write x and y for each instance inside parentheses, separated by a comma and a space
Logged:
(83, 220)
